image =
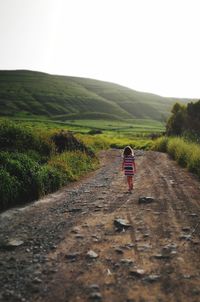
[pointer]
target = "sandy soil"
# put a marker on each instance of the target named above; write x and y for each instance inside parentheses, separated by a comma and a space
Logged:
(155, 258)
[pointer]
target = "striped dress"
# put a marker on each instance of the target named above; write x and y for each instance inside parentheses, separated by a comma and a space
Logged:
(128, 165)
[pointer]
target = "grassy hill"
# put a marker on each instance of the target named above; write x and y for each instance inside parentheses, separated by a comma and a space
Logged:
(30, 94)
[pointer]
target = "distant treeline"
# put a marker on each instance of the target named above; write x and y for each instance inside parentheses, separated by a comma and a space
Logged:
(185, 120)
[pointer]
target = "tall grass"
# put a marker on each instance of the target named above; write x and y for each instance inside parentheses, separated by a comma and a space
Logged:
(103, 141)
(15, 137)
(187, 154)
(160, 144)
(33, 164)
(95, 142)
(73, 164)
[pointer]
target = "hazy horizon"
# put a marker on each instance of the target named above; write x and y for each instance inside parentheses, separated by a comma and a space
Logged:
(149, 46)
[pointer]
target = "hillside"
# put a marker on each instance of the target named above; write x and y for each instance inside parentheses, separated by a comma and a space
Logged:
(28, 93)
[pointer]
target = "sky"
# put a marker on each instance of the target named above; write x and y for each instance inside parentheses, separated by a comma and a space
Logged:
(147, 45)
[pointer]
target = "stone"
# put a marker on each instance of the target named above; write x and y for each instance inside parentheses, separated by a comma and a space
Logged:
(152, 278)
(162, 256)
(129, 245)
(96, 296)
(185, 237)
(94, 287)
(109, 272)
(119, 251)
(37, 280)
(72, 256)
(193, 215)
(79, 236)
(186, 229)
(126, 261)
(138, 273)
(170, 246)
(187, 276)
(76, 230)
(75, 210)
(121, 224)
(195, 242)
(53, 270)
(92, 255)
(144, 247)
(196, 291)
(146, 200)
(11, 244)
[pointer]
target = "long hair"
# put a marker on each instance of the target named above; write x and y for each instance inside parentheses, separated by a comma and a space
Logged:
(128, 151)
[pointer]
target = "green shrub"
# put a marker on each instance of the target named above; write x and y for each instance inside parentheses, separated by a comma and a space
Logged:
(14, 137)
(95, 131)
(73, 164)
(49, 179)
(187, 154)
(94, 143)
(66, 141)
(24, 173)
(160, 144)
(194, 161)
(24, 169)
(34, 155)
(172, 148)
(9, 189)
(179, 150)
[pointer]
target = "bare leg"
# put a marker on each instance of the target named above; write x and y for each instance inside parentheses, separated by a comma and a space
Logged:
(130, 184)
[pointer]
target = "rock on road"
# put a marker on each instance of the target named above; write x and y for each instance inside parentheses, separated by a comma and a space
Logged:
(72, 246)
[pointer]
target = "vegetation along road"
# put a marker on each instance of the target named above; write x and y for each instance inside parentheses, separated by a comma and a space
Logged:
(72, 245)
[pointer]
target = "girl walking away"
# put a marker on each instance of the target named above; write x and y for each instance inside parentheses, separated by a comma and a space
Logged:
(129, 166)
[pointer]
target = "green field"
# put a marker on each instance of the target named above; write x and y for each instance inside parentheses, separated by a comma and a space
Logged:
(129, 128)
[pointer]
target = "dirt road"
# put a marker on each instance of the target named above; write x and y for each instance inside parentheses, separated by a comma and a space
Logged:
(66, 247)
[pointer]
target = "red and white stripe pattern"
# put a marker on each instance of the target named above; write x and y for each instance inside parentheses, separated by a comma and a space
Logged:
(128, 165)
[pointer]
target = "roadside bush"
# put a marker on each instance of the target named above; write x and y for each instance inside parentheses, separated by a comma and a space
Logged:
(160, 144)
(194, 160)
(34, 155)
(9, 189)
(49, 179)
(187, 154)
(73, 164)
(14, 137)
(66, 141)
(179, 150)
(24, 169)
(30, 166)
(95, 143)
